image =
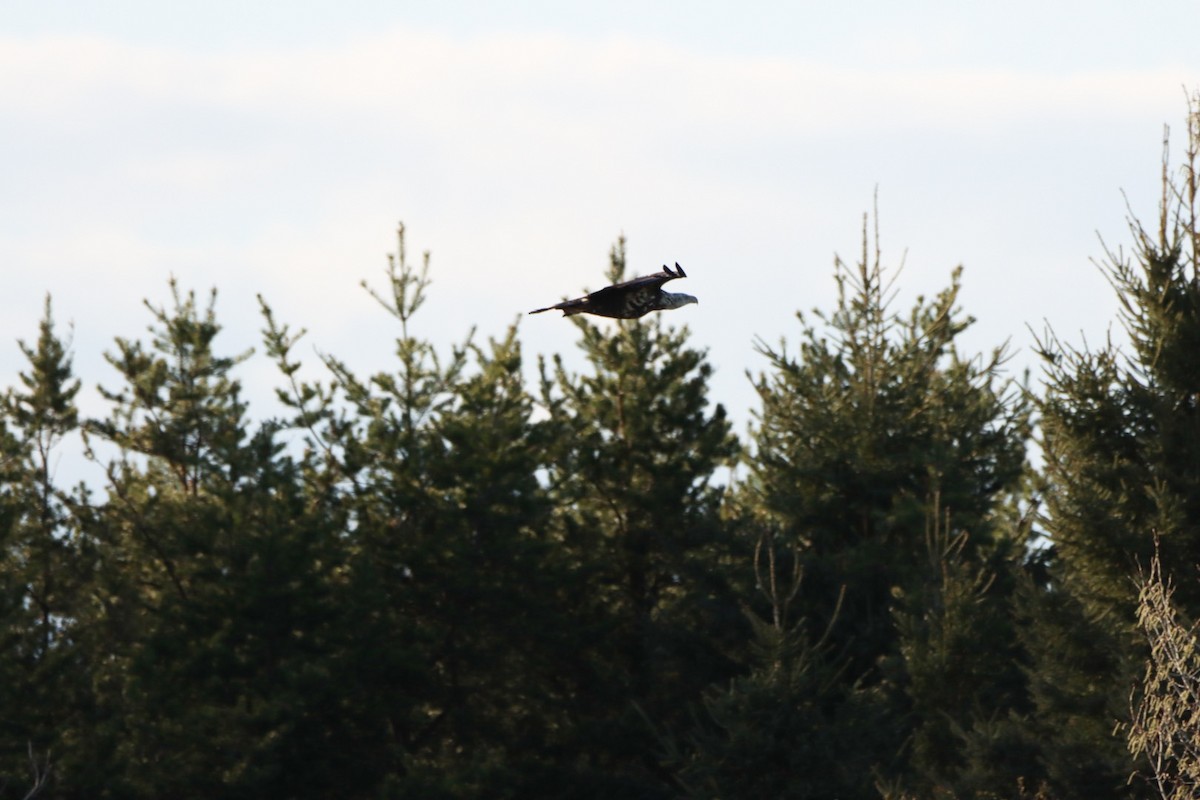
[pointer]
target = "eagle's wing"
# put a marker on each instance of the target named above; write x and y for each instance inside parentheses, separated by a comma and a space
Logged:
(653, 281)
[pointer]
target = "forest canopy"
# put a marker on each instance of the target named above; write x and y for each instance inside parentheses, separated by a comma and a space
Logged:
(439, 581)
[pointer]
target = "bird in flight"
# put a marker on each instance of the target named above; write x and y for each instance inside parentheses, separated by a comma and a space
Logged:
(628, 299)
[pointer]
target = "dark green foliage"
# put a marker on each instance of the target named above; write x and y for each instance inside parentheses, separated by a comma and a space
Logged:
(961, 673)
(435, 468)
(39, 578)
(1121, 435)
(787, 728)
(422, 584)
(639, 535)
(865, 436)
(874, 416)
(429, 582)
(213, 611)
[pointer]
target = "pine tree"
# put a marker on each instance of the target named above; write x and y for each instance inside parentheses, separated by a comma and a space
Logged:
(39, 568)
(876, 423)
(632, 477)
(447, 583)
(208, 644)
(1121, 436)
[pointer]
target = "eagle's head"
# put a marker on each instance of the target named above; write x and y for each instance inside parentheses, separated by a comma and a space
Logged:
(677, 299)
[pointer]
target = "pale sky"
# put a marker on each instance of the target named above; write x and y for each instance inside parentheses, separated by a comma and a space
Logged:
(272, 147)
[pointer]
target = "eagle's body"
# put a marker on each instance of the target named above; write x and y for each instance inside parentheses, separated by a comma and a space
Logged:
(628, 299)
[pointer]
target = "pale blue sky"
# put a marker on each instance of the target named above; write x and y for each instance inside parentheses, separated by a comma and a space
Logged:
(1029, 35)
(271, 147)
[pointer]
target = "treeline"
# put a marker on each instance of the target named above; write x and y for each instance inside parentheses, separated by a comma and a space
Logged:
(437, 581)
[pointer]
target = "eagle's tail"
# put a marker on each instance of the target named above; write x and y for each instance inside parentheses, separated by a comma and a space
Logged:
(568, 307)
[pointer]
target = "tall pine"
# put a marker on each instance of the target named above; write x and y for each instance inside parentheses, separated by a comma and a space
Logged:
(39, 556)
(875, 434)
(449, 614)
(1121, 437)
(208, 635)
(637, 493)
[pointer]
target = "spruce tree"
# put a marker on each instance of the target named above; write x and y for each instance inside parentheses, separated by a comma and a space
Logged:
(447, 585)
(633, 477)
(1122, 458)
(208, 639)
(875, 427)
(39, 560)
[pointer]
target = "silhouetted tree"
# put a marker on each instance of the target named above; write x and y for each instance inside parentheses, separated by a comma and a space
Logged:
(875, 424)
(1121, 437)
(39, 560)
(632, 475)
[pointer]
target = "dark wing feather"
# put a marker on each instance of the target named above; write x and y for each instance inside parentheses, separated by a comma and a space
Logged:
(655, 280)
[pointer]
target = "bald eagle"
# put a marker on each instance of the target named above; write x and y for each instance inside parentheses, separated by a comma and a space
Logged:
(628, 299)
